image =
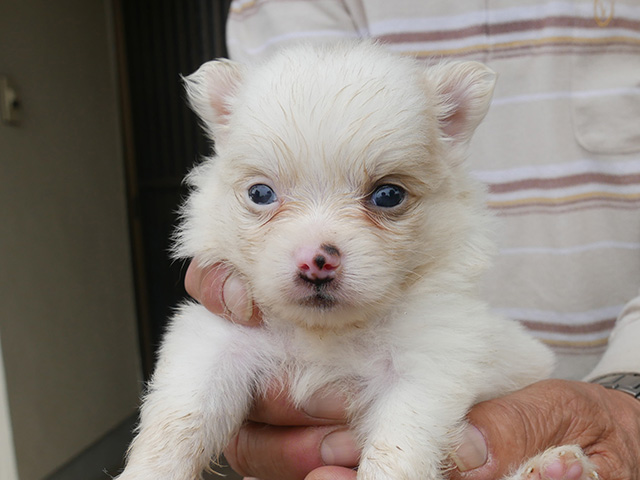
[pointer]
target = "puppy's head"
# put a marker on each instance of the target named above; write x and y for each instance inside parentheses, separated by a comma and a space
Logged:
(336, 187)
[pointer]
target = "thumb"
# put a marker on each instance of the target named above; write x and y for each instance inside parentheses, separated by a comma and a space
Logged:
(223, 292)
(506, 431)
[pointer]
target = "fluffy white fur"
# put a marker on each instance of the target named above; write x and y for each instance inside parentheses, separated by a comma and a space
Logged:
(400, 329)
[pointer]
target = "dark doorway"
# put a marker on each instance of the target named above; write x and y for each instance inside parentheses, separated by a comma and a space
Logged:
(158, 41)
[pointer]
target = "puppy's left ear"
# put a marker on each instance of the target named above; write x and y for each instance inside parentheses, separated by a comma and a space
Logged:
(210, 91)
(465, 90)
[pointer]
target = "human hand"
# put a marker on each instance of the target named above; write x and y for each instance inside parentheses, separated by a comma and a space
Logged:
(223, 292)
(605, 423)
(513, 428)
(280, 441)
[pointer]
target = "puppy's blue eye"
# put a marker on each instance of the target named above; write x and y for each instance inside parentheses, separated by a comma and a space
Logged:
(388, 196)
(262, 194)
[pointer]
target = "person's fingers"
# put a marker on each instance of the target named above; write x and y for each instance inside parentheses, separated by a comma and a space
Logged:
(501, 434)
(289, 453)
(222, 292)
(517, 427)
(275, 407)
(332, 473)
(472, 452)
(193, 284)
(508, 430)
(285, 442)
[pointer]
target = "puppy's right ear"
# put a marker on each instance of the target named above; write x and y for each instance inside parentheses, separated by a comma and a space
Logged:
(465, 89)
(210, 91)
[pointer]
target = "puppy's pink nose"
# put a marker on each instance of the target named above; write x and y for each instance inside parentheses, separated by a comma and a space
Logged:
(318, 265)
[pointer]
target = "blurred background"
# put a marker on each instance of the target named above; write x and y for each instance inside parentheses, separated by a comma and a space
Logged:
(95, 139)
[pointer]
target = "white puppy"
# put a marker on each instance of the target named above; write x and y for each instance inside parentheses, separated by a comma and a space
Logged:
(339, 192)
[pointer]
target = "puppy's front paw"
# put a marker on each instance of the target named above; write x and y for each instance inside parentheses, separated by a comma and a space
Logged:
(567, 462)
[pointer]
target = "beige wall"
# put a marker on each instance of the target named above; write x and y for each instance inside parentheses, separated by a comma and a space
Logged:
(67, 321)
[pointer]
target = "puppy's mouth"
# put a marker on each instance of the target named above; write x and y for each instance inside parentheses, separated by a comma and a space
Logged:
(319, 297)
(319, 300)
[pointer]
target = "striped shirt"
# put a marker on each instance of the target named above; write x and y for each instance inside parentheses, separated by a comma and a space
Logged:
(559, 149)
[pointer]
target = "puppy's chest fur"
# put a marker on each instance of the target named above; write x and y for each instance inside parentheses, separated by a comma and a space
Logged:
(306, 361)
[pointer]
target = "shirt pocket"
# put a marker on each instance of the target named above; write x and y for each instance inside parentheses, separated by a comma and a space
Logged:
(606, 81)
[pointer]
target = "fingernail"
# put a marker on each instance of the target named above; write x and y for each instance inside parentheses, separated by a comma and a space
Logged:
(236, 300)
(339, 448)
(472, 452)
(326, 404)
